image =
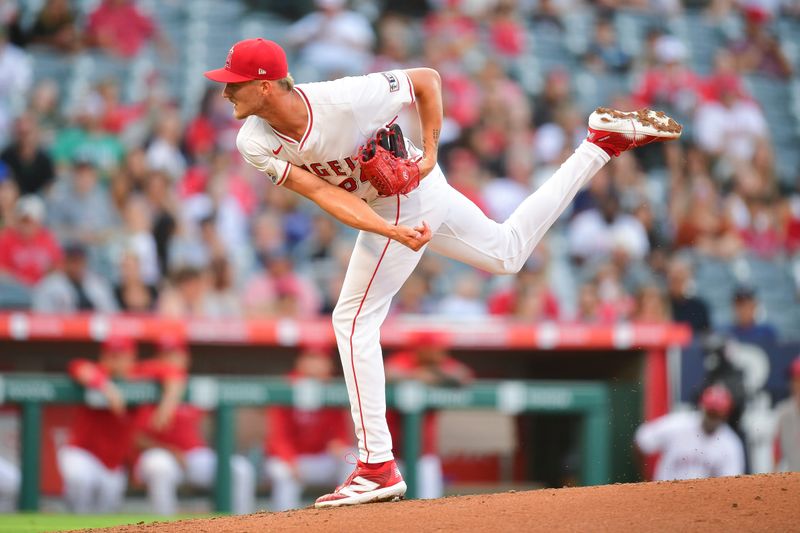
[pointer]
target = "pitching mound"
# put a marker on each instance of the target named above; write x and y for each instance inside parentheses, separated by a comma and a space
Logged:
(746, 503)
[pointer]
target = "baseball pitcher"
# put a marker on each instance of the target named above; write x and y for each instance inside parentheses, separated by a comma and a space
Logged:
(335, 143)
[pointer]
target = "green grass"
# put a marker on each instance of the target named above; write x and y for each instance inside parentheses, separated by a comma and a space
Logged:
(35, 522)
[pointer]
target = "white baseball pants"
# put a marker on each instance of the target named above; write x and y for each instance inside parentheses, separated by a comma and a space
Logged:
(379, 267)
(89, 486)
(9, 485)
(162, 474)
(287, 484)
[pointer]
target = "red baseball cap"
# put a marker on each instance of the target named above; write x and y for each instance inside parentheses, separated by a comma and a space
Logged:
(717, 399)
(252, 59)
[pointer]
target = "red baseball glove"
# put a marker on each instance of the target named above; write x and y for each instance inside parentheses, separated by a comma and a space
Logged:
(385, 164)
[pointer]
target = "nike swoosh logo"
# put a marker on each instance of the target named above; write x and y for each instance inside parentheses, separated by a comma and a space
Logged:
(276, 152)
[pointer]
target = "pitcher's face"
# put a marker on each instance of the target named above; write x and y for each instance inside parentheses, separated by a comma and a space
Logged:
(247, 97)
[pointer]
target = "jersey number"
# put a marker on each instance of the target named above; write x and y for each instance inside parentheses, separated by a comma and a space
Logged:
(349, 185)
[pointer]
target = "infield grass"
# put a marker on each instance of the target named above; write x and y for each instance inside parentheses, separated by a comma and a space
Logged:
(35, 522)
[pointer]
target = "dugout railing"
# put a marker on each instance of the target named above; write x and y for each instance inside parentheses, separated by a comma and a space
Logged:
(222, 395)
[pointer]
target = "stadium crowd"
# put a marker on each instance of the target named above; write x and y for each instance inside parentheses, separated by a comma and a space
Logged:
(133, 206)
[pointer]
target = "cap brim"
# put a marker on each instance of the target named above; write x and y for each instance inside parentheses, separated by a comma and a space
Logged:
(222, 75)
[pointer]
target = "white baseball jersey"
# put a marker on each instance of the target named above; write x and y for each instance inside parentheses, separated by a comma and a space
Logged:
(342, 116)
(687, 452)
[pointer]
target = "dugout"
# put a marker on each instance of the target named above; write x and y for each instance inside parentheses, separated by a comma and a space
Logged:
(631, 359)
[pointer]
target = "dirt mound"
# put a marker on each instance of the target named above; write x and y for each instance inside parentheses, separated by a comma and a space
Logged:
(745, 503)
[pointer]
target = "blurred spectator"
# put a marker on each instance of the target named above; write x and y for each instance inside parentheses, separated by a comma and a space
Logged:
(651, 306)
(173, 449)
(9, 192)
(87, 139)
(73, 288)
(415, 297)
(669, 85)
(279, 291)
(788, 424)
(80, 209)
(164, 210)
(333, 40)
(222, 300)
(138, 236)
(547, 17)
(268, 237)
(527, 296)
(132, 294)
(685, 306)
(701, 223)
(319, 252)
(427, 362)
(507, 33)
(606, 50)
(555, 139)
(589, 308)
(732, 125)
(695, 444)
(10, 481)
(759, 52)
(115, 117)
(464, 300)
(746, 326)
(763, 236)
(448, 32)
(28, 250)
(305, 446)
(43, 107)
(120, 28)
(55, 27)
(16, 78)
(599, 232)
(185, 294)
(556, 94)
(395, 39)
(615, 301)
(164, 152)
(30, 165)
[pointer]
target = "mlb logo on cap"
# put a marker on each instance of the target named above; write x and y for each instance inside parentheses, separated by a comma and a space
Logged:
(252, 59)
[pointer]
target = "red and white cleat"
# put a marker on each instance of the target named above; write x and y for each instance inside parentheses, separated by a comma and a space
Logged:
(616, 131)
(368, 483)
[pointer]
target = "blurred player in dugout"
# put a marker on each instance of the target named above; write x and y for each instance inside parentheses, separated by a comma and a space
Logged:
(93, 462)
(426, 360)
(170, 444)
(787, 445)
(305, 447)
(694, 444)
